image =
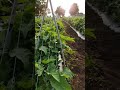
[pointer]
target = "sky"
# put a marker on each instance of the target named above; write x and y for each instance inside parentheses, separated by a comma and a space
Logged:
(66, 5)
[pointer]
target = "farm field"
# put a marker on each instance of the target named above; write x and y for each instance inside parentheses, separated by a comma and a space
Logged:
(48, 50)
(59, 44)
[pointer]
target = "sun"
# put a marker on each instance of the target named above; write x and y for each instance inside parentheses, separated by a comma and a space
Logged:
(66, 4)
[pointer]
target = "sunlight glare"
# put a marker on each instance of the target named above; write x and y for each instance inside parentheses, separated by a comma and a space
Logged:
(66, 4)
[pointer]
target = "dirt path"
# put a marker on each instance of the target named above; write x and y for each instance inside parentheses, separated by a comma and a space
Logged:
(76, 61)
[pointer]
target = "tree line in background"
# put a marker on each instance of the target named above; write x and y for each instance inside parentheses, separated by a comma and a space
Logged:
(42, 9)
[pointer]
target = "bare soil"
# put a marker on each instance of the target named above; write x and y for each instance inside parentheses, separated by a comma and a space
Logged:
(76, 61)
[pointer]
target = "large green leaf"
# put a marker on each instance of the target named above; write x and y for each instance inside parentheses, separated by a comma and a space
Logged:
(67, 73)
(40, 70)
(55, 75)
(22, 54)
(62, 85)
(52, 70)
(44, 49)
(46, 61)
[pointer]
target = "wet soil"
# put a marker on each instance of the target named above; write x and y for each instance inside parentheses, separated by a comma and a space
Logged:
(76, 61)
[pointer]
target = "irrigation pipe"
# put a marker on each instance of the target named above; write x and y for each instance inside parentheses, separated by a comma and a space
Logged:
(106, 19)
(77, 32)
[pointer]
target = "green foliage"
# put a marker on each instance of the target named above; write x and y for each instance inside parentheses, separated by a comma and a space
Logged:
(22, 19)
(47, 56)
(25, 83)
(67, 73)
(61, 85)
(2, 87)
(78, 23)
(22, 54)
(89, 61)
(89, 33)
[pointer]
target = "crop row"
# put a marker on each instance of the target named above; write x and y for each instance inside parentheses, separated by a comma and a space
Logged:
(50, 72)
(78, 23)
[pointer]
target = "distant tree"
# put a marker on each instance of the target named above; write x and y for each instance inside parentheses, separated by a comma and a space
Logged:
(40, 7)
(60, 11)
(74, 10)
